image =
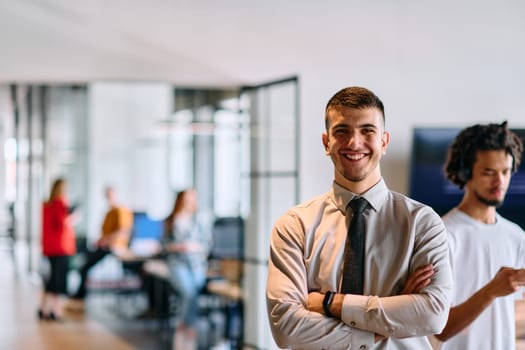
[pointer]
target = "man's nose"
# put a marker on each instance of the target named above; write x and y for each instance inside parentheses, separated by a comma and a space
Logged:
(500, 178)
(355, 140)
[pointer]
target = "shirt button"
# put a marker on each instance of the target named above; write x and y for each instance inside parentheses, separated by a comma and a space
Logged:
(352, 324)
(362, 347)
(390, 331)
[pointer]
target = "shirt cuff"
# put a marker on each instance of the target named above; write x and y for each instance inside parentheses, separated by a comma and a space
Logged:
(352, 314)
(354, 309)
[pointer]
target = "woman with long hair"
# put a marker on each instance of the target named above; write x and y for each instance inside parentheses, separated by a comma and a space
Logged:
(58, 245)
(186, 244)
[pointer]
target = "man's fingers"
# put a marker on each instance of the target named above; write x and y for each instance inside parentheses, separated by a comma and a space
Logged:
(519, 276)
(423, 270)
(423, 284)
(422, 273)
(418, 280)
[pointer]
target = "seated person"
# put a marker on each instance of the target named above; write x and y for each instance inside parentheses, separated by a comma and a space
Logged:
(186, 244)
(115, 235)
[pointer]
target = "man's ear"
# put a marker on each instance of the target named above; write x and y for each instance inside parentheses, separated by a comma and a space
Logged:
(326, 144)
(385, 140)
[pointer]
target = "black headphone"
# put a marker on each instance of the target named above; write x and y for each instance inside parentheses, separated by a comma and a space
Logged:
(464, 173)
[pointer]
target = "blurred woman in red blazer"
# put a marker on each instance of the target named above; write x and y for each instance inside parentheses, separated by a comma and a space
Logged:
(58, 245)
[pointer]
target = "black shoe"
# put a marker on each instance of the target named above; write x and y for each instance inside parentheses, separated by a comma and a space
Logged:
(41, 315)
(53, 317)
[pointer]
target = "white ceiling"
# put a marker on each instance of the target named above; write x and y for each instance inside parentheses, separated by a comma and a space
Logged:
(184, 42)
(436, 63)
(234, 42)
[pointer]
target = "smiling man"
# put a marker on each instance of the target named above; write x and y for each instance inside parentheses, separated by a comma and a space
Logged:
(315, 256)
(487, 251)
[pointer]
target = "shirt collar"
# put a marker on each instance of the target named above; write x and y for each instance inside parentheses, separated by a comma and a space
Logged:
(375, 195)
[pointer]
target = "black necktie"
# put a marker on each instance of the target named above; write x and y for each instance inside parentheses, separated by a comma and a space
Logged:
(355, 250)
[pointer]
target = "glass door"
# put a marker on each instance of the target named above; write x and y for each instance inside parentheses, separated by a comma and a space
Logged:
(271, 179)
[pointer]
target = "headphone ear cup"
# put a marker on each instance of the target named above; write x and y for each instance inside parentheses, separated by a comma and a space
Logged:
(464, 174)
(468, 174)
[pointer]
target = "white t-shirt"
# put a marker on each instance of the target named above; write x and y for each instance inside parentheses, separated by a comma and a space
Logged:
(477, 252)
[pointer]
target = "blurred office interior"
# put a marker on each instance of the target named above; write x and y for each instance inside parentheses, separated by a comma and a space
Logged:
(237, 148)
(155, 97)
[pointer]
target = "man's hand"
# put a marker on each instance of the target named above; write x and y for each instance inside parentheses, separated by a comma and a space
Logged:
(506, 281)
(315, 302)
(378, 338)
(103, 243)
(418, 280)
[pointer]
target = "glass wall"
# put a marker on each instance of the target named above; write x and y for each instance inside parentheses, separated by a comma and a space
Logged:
(238, 148)
(204, 149)
(273, 182)
(43, 137)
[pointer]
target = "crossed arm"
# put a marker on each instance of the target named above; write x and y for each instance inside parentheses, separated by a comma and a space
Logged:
(296, 317)
(418, 280)
(505, 282)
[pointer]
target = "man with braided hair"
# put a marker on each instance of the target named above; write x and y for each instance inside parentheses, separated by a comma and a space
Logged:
(487, 251)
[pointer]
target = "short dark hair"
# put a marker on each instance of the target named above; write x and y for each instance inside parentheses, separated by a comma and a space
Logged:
(489, 137)
(354, 97)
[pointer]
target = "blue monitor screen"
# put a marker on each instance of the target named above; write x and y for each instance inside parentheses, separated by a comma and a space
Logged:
(429, 185)
(145, 227)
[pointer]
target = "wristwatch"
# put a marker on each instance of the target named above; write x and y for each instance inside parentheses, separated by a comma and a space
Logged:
(327, 302)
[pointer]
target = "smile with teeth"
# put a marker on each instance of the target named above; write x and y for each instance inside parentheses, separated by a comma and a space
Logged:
(355, 156)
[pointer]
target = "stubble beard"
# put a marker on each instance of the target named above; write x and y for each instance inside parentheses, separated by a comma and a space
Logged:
(357, 178)
(488, 202)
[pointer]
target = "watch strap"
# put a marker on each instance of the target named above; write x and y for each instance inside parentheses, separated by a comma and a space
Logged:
(327, 302)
